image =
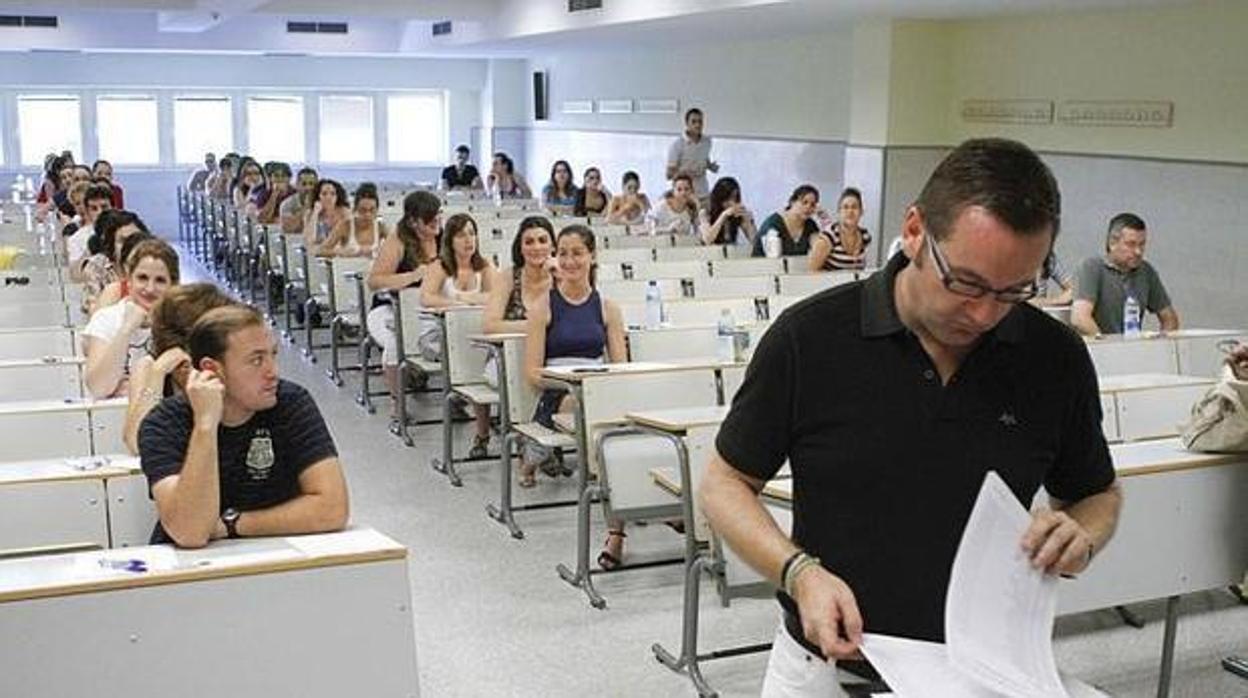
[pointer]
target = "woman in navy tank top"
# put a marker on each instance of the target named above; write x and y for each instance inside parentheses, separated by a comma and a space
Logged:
(573, 325)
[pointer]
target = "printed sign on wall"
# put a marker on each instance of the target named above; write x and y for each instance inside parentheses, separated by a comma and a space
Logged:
(1008, 111)
(1117, 113)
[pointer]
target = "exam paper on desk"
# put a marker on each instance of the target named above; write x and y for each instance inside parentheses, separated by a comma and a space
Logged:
(998, 617)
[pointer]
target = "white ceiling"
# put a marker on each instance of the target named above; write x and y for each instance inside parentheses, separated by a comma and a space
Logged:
(482, 27)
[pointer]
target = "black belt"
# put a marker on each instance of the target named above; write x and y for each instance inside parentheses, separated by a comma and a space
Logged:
(858, 667)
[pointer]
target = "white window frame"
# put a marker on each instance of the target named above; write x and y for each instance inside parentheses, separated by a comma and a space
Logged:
(79, 97)
(303, 97)
(443, 137)
(229, 100)
(127, 96)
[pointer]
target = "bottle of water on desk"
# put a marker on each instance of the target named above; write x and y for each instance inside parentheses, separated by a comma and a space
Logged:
(1131, 318)
(654, 305)
(725, 349)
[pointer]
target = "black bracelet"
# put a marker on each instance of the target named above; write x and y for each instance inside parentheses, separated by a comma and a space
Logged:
(784, 570)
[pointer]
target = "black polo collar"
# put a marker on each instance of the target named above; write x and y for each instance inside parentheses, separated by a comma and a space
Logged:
(879, 308)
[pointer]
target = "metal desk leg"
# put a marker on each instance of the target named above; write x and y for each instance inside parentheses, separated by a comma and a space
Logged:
(1167, 647)
(588, 492)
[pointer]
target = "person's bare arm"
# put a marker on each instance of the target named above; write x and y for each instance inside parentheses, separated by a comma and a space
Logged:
(1081, 318)
(338, 237)
(820, 248)
(489, 278)
(189, 503)
(617, 346)
(292, 224)
(1062, 540)
(830, 616)
(383, 275)
(1169, 319)
(147, 382)
(322, 506)
(106, 360)
(535, 342)
(431, 289)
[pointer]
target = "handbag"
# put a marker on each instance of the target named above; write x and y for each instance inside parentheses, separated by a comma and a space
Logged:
(1219, 421)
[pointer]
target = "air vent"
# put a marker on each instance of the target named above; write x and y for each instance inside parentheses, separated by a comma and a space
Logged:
(40, 22)
(442, 28)
(316, 27)
(582, 5)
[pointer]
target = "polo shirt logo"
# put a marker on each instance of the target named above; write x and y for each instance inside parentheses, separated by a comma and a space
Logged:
(1008, 419)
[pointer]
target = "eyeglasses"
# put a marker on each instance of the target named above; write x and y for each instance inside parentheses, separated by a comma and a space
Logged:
(972, 289)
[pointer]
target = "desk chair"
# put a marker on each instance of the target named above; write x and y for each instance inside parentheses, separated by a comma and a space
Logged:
(347, 314)
(465, 380)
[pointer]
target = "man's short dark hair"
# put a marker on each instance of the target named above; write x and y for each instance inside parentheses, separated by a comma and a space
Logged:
(1118, 223)
(1003, 176)
(96, 192)
(462, 149)
(210, 336)
(692, 111)
(307, 170)
(271, 168)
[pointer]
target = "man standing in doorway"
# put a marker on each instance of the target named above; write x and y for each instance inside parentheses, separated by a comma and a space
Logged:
(691, 155)
(892, 398)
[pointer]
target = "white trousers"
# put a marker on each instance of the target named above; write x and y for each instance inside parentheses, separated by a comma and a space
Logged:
(793, 672)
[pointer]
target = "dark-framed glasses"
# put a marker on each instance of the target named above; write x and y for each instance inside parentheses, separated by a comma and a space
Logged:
(973, 289)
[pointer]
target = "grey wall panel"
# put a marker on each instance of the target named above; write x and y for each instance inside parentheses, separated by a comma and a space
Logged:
(1196, 215)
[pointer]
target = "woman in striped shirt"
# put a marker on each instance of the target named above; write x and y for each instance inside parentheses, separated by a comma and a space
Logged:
(844, 244)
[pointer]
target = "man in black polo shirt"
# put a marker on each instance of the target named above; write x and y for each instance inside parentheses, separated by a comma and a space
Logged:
(243, 453)
(462, 174)
(892, 398)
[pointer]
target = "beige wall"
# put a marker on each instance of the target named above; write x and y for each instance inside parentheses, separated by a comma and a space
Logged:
(1195, 56)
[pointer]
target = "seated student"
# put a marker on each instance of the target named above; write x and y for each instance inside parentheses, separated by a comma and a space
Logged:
(402, 262)
(163, 371)
(504, 182)
(677, 211)
(54, 181)
(794, 225)
(265, 204)
(220, 183)
(70, 224)
(844, 244)
(725, 220)
(103, 268)
(103, 169)
(117, 336)
(591, 199)
(198, 182)
(631, 205)
(116, 290)
(328, 210)
(71, 176)
(359, 234)
(461, 174)
(1054, 278)
(294, 209)
(250, 177)
(528, 281)
(243, 453)
(460, 276)
(559, 194)
(97, 199)
(1103, 284)
(572, 326)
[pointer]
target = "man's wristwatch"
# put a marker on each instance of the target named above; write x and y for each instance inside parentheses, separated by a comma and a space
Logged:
(229, 517)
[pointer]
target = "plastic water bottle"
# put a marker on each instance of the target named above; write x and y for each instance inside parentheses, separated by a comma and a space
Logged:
(771, 244)
(1131, 319)
(654, 305)
(725, 347)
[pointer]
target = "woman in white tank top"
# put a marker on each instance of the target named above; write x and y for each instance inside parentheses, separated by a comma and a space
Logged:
(459, 276)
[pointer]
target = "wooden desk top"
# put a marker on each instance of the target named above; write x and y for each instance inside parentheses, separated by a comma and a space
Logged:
(1147, 381)
(1165, 455)
(23, 579)
(63, 469)
(66, 405)
(780, 488)
(579, 374)
(42, 361)
(678, 421)
(1191, 333)
(496, 339)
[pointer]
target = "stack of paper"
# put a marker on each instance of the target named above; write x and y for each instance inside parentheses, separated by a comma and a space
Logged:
(998, 619)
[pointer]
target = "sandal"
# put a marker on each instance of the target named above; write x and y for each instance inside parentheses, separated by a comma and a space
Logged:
(528, 475)
(479, 448)
(606, 559)
(550, 466)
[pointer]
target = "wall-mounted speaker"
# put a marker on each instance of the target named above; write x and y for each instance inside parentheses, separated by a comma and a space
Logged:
(541, 94)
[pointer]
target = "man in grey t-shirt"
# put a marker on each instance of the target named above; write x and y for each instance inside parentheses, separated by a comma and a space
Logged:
(691, 155)
(1103, 283)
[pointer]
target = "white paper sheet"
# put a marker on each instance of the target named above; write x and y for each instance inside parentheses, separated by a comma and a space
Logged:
(917, 669)
(999, 609)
